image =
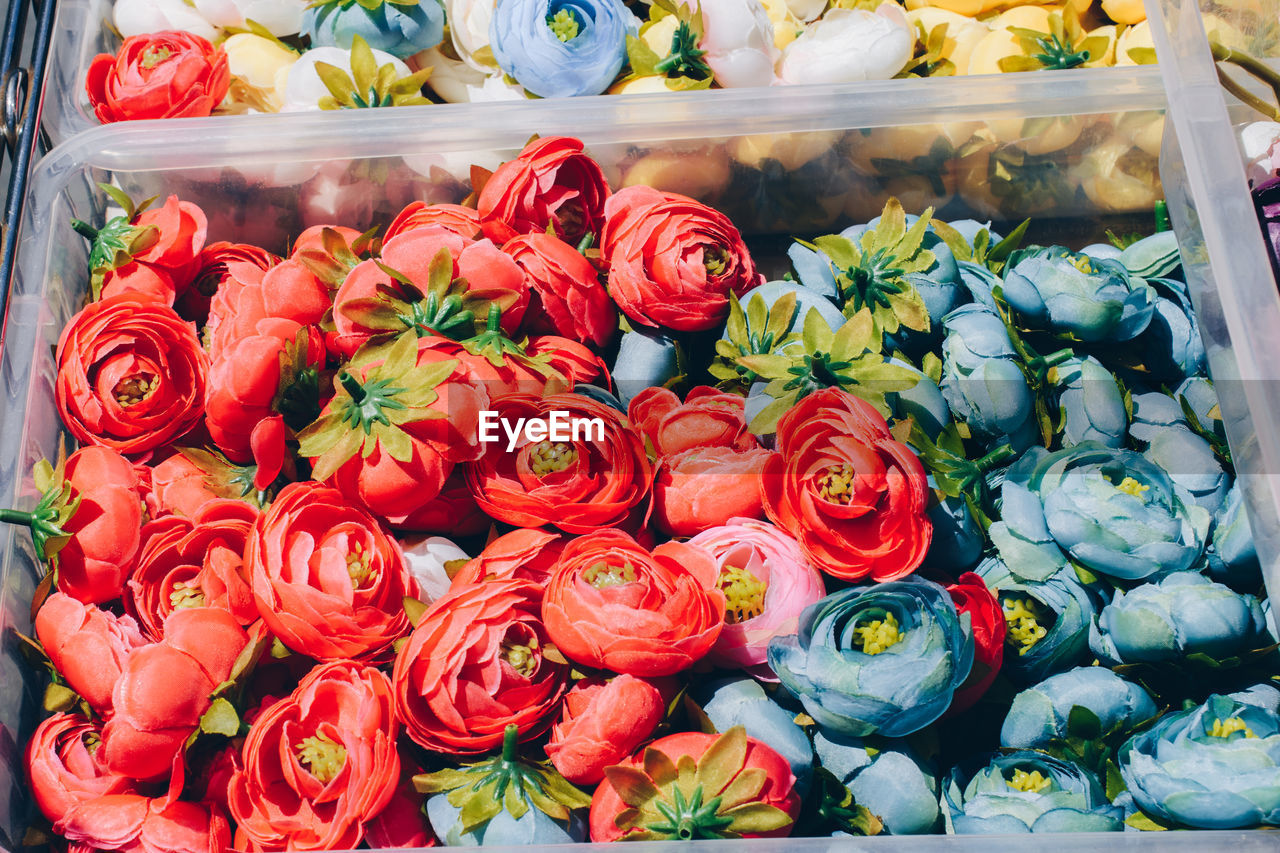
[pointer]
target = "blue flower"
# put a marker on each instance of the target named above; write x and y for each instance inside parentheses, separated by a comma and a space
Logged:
(1028, 791)
(1039, 714)
(1064, 291)
(398, 30)
(922, 402)
(885, 658)
(535, 827)
(1046, 621)
(1114, 512)
(980, 282)
(940, 286)
(1191, 464)
(1153, 412)
(644, 359)
(981, 380)
(814, 270)
(741, 701)
(1216, 766)
(1184, 613)
(957, 538)
(1172, 346)
(562, 48)
(886, 777)
(1091, 403)
(1233, 558)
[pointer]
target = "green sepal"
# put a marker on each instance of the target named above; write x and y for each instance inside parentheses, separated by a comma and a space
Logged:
(297, 397)
(757, 330)
(369, 85)
(225, 478)
(220, 719)
(481, 790)
(335, 259)
(371, 412)
(1142, 821)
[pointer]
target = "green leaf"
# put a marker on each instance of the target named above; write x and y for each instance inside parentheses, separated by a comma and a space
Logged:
(632, 785)
(766, 420)
(480, 808)
(757, 819)
(954, 240)
(1002, 250)
(220, 719)
(841, 250)
(723, 760)
(1143, 821)
(59, 698)
(931, 366)
(642, 58)
(1083, 723)
(768, 366)
(1115, 782)
(413, 609)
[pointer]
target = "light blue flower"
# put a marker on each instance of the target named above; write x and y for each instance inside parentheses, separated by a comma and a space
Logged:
(561, 48)
(980, 283)
(1091, 403)
(885, 658)
(813, 268)
(535, 827)
(1153, 412)
(1064, 291)
(1216, 766)
(957, 538)
(1200, 396)
(981, 380)
(922, 402)
(1046, 621)
(1039, 714)
(1028, 791)
(886, 777)
(1153, 256)
(398, 30)
(940, 286)
(1191, 463)
(1114, 512)
(1184, 613)
(644, 359)
(1232, 555)
(1172, 346)
(741, 701)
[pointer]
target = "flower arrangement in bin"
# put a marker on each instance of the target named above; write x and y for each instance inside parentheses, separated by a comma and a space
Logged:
(236, 56)
(935, 533)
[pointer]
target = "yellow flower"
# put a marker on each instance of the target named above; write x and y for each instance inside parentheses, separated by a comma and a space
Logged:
(792, 150)
(696, 173)
(963, 33)
(1136, 38)
(1125, 11)
(786, 27)
(259, 68)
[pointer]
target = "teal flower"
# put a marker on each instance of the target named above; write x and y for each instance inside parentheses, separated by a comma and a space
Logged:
(1092, 299)
(1028, 791)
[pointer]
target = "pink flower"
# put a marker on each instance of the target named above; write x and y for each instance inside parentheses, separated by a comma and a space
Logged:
(601, 724)
(706, 486)
(87, 646)
(130, 823)
(66, 768)
(767, 581)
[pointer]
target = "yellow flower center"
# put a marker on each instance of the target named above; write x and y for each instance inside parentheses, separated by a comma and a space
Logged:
(91, 741)
(564, 24)
(1228, 727)
(1033, 782)
(153, 56)
(1131, 486)
(602, 575)
(358, 565)
(135, 389)
(713, 259)
(836, 484)
(1081, 262)
(186, 596)
(323, 757)
(743, 592)
(521, 657)
(547, 458)
(1022, 623)
(875, 637)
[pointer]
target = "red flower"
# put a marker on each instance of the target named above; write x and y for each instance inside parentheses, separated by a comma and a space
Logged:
(164, 269)
(131, 374)
(403, 824)
(568, 299)
(853, 496)
(707, 418)
(411, 254)
(129, 823)
(453, 512)
(319, 763)
(171, 74)
(327, 579)
(164, 689)
(971, 596)
(750, 784)
(473, 665)
(88, 646)
(570, 359)
(524, 554)
(602, 723)
(194, 562)
(672, 261)
(551, 184)
(181, 484)
(402, 418)
(613, 605)
(211, 272)
(463, 221)
(577, 485)
(103, 547)
(65, 766)
(705, 487)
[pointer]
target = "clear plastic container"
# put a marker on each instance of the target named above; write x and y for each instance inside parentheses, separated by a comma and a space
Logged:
(777, 172)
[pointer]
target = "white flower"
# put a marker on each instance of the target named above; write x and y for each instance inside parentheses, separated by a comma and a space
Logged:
(1261, 143)
(459, 83)
(138, 17)
(469, 29)
(738, 39)
(426, 558)
(305, 90)
(849, 45)
(279, 17)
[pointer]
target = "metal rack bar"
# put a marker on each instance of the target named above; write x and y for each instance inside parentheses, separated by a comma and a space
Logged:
(21, 95)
